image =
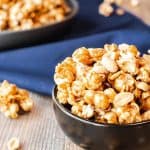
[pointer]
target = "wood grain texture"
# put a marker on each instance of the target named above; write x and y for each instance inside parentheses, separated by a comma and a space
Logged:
(37, 130)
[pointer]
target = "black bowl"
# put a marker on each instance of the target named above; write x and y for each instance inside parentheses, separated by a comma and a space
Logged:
(95, 136)
(14, 39)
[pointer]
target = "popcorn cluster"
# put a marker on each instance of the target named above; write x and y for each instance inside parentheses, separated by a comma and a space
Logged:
(27, 14)
(106, 7)
(107, 85)
(13, 99)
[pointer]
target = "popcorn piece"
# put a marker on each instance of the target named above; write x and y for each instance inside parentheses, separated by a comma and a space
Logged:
(62, 96)
(89, 96)
(27, 105)
(101, 101)
(146, 115)
(123, 98)
(64, 73)
(125, 82)
(96, 53)
(111, 48)
(128, 114)
(111, 117)
(87, 111)
(99, 68)
(77, 88)
(120, 12)
(110, 93)
(143, 86)
(13, 144)
(12, 99)
(109, 63)
(94, 80)
(24, 15)
(7, 89)
(105, 9)
(128, 63)
(82, 55)
(143, 75)
(12, 111)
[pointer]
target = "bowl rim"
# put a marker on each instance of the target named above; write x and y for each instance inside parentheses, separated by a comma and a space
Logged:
(73, 13)
(68, 113)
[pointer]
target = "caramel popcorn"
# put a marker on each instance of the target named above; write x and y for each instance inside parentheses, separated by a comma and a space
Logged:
(107, 85)
(13, 99)
(13, 144)
(101, 101)
(27, 14)
(106, 7)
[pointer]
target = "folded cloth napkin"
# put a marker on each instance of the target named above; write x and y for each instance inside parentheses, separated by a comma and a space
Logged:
(33, 67)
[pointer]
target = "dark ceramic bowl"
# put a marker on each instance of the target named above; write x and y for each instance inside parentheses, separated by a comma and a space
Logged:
(95, 136)
(14, 39)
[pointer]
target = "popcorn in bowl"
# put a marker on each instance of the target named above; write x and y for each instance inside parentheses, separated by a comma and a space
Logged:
(106, 85)
(13, 100)
(28, 14)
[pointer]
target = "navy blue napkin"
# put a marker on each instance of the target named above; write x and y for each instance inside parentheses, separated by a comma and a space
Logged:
(33, 67)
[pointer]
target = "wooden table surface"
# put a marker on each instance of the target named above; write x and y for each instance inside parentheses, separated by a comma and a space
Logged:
(38, 130)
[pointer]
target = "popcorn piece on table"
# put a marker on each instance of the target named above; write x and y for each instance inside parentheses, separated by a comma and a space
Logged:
(120, 11)
(13, 144)
(13, 99)
(106, 9)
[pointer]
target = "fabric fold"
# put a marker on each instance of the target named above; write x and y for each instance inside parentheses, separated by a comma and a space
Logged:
(33, 67)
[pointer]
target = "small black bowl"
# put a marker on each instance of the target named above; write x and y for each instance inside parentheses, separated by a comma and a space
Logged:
(96, 136)
(15, 39)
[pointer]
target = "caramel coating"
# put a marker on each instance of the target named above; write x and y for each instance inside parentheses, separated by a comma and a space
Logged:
(106, 7)
(12, 99)
(109, 85)
(101, 101)
(28, 14)
(13, 144)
